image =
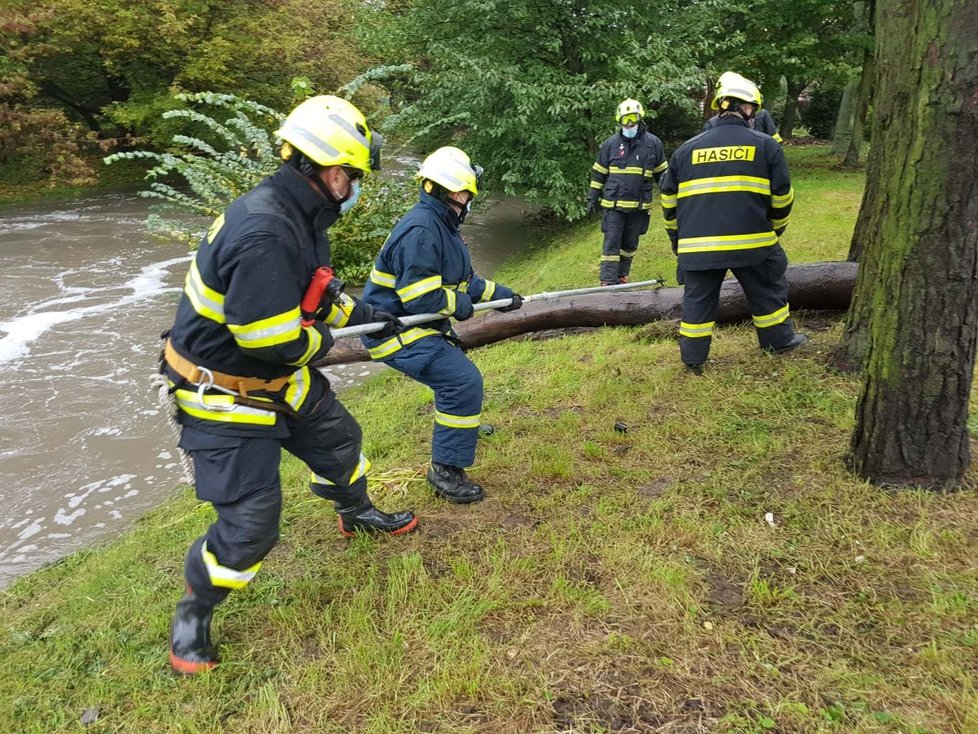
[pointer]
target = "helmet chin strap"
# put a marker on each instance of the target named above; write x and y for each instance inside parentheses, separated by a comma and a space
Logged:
(310, 169)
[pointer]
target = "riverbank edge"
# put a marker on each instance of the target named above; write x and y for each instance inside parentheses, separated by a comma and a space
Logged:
(710, 565)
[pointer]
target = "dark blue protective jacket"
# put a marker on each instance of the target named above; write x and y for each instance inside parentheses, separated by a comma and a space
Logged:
(425, 267)
(240, 309)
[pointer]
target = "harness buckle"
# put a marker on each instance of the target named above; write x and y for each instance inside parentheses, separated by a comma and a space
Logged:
(209, 384)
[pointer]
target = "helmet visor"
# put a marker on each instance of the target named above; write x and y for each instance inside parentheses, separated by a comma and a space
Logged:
(630, 119)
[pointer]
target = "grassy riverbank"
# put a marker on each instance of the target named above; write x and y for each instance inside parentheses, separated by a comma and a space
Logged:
(714, 568)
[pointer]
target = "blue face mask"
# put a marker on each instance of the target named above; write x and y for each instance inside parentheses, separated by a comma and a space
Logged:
(629, 132)
(352, 198)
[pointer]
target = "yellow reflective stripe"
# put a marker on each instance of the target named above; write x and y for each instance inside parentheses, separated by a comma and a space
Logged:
(223, 409)
(450, 300)
(772, 319)
(780, 201)
(647, 205)
(671, 223)
(206, 301)
(463, 287)
(597, 185)
(661, 167)
(340, 311)
(419, 288)
(315, 342)
(717, 243)
(279, 329)
(363, 466)
(215, 228)
(298, 388)
(627, 171)
(620, 203)
(779, 223)
(628, 253)
(777, 137)
(387, 348)
(599, 168)
(696, 330)
(457, 421)
(228, 578)
(489, 291)
(610, 258)
(724, 184)
(668, 201)
(385, 279)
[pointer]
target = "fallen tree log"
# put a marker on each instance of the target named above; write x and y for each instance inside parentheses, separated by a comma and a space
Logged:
(825, 286)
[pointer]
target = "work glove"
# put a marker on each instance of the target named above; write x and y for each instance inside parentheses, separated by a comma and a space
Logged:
(675, 247)
(392, 327)
(514, 306)
(463, 307)
(592, 208)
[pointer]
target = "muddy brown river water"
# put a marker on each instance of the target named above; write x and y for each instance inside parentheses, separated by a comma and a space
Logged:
(84, 295)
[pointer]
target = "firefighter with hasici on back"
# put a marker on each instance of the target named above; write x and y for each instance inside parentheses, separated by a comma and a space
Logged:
(621, 186)
(726, 200)
(424, 267)
(761, 121)
(254, 314)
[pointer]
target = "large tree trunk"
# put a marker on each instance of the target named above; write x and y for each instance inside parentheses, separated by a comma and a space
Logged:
(820, 286)
(843, 121)
(795, 87)
(865, 89)
(916, 292)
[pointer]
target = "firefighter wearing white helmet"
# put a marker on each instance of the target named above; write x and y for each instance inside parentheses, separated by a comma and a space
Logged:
(621, 186)
(761, 121)
(726, 201)
(255, 313)
(425, 267)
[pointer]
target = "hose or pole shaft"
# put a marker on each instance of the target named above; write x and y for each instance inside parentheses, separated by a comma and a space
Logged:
(502, 302)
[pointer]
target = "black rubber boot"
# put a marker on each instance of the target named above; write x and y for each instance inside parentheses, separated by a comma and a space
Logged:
(363, 516)
(191, 651)
(796, 341)
(452, 484)
(696, 369)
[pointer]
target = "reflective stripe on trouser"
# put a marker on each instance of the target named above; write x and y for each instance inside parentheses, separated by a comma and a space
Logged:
(766, 289)
(621, 233)
(240, 477)
(457, 383)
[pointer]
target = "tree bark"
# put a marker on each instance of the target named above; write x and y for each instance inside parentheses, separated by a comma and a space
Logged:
(865, 89)
(915, 307)
(821, 286)
(795, 87)
(843, 121)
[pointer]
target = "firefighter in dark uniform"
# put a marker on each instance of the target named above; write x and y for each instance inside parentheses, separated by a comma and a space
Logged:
(621, 185)
(238, 357)
(424, 267)
(762, 120)
(726, 200)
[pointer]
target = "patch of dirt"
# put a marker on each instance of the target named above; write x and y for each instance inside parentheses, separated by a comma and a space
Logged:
(817, 321)
(724, 593)
(654, 489)
(622, 712)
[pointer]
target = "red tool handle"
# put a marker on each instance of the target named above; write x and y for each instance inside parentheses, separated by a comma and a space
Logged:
(324, 289)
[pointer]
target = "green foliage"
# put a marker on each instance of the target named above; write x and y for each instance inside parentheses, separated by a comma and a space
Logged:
(529, 90)
(820, 114)
(229, 150)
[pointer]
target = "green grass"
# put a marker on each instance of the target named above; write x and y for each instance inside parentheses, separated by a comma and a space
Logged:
(610, 582)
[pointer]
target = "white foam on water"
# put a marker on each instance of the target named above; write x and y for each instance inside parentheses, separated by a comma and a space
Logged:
(63, 518)
(21, 331)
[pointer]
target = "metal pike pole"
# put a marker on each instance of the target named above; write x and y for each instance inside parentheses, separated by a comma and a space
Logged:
(423, 317)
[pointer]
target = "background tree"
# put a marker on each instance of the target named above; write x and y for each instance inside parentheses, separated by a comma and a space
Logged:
(914, 317)
(530, 89)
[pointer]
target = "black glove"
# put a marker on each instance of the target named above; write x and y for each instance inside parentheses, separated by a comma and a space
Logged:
(393, 324)
(592, 208)
(675, 247)
(514, 306)
(463, 307)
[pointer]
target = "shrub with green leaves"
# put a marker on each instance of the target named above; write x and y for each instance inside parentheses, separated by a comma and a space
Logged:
(227, 151)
